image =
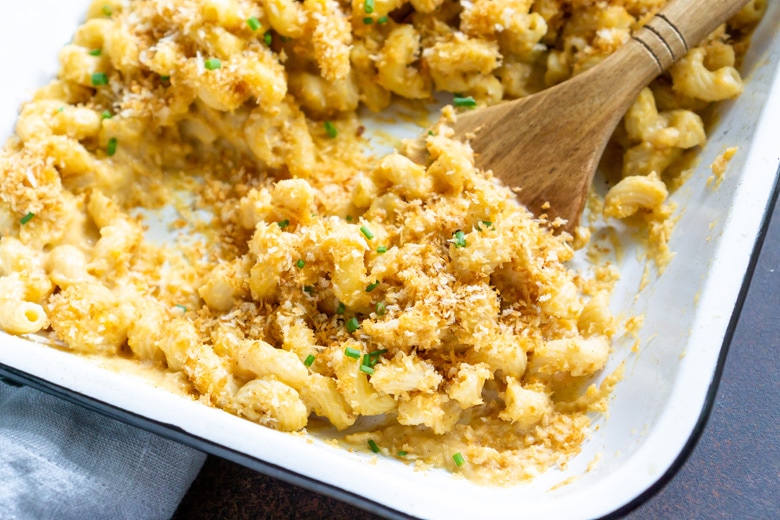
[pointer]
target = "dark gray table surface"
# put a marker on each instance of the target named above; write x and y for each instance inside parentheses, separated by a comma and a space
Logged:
(732, 473)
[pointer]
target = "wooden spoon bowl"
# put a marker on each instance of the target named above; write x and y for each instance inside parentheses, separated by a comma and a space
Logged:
(549, 144)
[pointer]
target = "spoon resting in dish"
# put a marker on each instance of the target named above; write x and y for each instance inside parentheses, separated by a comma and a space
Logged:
(549, 144)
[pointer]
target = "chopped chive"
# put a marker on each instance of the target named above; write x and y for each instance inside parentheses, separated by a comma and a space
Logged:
(267, 37)
(212, 64)
(368, 20)
(382, 19)
(459, 239)
(111, 148)
(352, 352)
(27, 218)
(366, 370)
(487, 223)
(309, 360)
(381, 308)
(430, 132)
(368, 6)
(372, 358)
(253, 23)
(331, 129)
(165, 78)
(106, 115)
(370, 287)
(308, 289)
(402, 453)
(381, 249)
(60, 110)
(283, 223)
(349, 218)
(366, 232)
(372, 445)
(341, 308)
(108, 10)
(285, 39)
(353, 324)
(96, 52)
(99, 79)
(300, 263)
(180, 306)
(466, 102)
(458, 458)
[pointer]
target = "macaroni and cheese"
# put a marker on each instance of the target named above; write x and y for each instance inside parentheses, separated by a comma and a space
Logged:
(311, 281)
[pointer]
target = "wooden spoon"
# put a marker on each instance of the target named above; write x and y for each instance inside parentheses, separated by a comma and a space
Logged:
(549, 144)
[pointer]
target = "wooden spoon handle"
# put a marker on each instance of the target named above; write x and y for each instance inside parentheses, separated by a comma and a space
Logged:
(683, 24)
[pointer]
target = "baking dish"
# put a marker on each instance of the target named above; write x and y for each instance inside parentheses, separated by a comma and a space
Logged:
(655, 414)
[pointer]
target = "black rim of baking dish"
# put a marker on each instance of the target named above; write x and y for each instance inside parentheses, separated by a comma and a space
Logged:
(172, 432)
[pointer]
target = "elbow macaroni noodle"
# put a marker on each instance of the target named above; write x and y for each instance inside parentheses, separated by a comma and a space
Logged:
(327, 285)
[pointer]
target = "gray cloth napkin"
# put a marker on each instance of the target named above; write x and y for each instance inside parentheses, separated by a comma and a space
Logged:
(60, 461)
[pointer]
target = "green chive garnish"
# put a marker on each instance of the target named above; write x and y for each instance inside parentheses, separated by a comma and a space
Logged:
(308, 289)
(381, 249)
(402, 454)
(300, 263)
(309, 360)
(60, 110)
(253, 23)
(283, 223)
(372, 445)
(382, 19)
(285, 39)
(487, 223)
(106, 115)
(349, 218)
(459, 238)
(371, 359)
(267, 38)
(368, 6)
(111, 149)
(165, 78)
(430, 132)
(465, 102)
(381, 308)
(353, 324)
(96, 52)
(366, 232)
(458, 458)
(27, 218)
(180, 306)
(368, 20)
(341, 308)
(370, 287)
(99, 79)
(212, 64)
(367, 369)
(352, 352)
(330, 129)
(108, 10)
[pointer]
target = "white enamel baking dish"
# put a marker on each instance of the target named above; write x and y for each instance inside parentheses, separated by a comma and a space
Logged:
(656, 413)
